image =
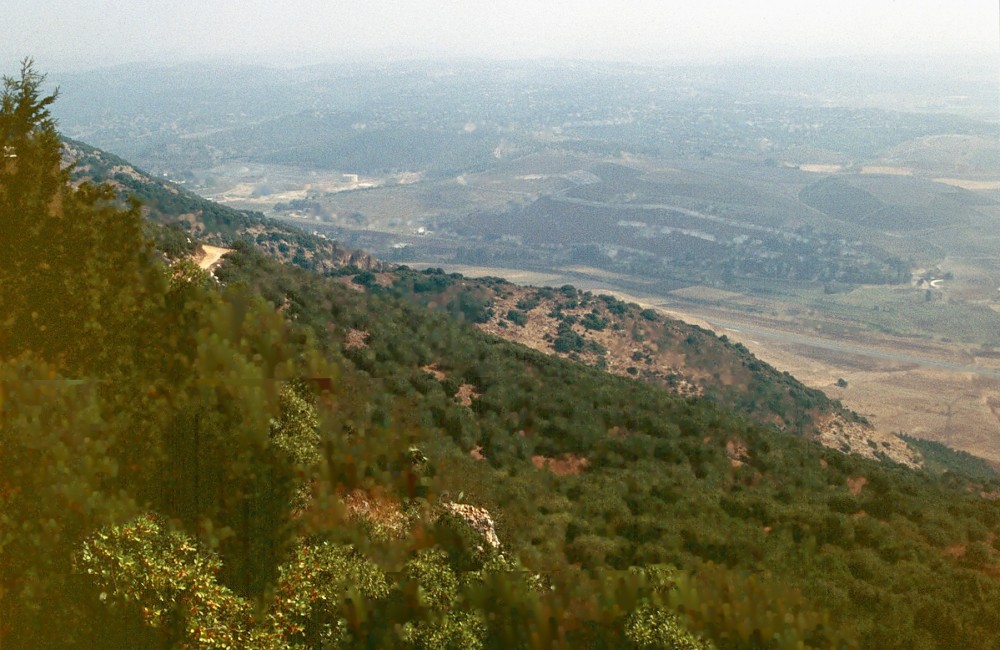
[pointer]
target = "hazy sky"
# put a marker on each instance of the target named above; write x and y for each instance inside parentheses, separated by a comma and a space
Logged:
(83, 33)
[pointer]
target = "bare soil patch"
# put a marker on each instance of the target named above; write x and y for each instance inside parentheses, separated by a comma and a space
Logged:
(856, 483)
(355, 339)
(820, 169)
(208, 257)
(947, 406)
(433, 370)
(466, 393)
(737, 452)
(967, 184)
(561, 466)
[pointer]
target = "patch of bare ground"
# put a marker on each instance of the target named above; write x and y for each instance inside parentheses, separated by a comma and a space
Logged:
(948, 406)
(836, 432)
(385, 279)
(968, 184)
(208, 257)
(378, 508)
(355, 339)
(737, 452)
(819, 168)
(466, 393)
(625, 354)
(561, 466)
(347, 281)
(856, 484)
(477, 453)
(955, 408)
(433, 370)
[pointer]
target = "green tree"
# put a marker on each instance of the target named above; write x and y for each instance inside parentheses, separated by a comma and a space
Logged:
(76, 278)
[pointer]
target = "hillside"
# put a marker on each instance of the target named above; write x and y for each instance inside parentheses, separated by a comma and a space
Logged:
(626, 340)
(598, 331)
(167, 203)
(269, 457)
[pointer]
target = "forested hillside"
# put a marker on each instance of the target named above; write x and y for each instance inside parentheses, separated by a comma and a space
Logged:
(271, 458)
(625, 339)
(599, 331)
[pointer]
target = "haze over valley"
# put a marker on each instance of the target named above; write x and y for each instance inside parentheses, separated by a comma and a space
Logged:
(840, 220)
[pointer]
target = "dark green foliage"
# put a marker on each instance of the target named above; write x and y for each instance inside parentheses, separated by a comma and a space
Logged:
(471, 308)
(172, 240)
(517, 317)
(527, 304)
(940, 458)
(593, 321)
(568, 341)
(365, 279)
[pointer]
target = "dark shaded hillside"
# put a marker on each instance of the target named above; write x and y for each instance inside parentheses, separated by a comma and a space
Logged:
(345, 141)
(893, 204)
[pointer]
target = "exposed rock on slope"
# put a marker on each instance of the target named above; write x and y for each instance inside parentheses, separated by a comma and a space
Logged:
(478, 519)
(864, 440)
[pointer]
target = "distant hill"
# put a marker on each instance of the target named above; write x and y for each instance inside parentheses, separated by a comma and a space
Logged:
(168, 203)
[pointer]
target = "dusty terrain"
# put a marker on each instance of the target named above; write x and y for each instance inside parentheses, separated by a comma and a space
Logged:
(935, 391)
(208, 257)
(958, 408)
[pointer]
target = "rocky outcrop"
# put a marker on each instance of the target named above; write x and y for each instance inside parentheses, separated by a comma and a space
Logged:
(862, 439)
(478, 519)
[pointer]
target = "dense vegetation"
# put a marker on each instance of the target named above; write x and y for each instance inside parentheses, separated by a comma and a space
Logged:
(723, 371)
(177, 454)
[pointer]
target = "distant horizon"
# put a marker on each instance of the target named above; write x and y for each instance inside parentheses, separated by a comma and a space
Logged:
(107, 33)
(854, 63)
